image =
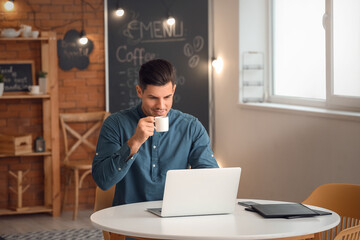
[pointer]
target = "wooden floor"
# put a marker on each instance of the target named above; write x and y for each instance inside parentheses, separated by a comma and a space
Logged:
(44, 222)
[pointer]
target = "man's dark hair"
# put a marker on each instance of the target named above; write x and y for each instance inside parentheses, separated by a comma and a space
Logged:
(156, 72)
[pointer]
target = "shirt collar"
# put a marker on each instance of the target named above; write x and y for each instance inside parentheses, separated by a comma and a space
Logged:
(140, 111)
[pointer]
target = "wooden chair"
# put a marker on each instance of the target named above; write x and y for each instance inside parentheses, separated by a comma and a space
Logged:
(92, 122)
(352, 233)
(104, 199)
(344, 199)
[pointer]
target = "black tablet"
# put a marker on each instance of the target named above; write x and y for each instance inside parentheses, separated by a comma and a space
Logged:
(284, 210)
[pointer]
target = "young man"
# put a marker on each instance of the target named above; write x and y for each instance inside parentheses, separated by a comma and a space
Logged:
(132, 155)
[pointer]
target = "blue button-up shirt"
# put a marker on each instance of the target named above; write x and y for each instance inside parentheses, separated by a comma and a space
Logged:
(142, 177)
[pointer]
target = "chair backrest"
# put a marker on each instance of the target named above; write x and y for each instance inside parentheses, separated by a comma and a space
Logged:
(103, 199)
(95, 119)
(352, 233)
(344, 199)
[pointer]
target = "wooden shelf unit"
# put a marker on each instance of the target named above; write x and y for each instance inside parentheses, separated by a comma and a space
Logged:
(50, 115)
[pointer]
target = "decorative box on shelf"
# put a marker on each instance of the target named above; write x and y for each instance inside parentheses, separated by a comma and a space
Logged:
(15, 144)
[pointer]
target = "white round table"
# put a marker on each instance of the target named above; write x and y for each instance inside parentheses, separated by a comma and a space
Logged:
(134, 220)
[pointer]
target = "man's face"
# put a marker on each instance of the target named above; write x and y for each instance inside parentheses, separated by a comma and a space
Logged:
(156, 100)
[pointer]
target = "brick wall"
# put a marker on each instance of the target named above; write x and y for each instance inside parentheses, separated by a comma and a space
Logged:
(79, 90)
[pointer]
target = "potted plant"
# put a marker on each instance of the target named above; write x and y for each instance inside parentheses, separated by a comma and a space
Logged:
(1, 84)
(43, 81)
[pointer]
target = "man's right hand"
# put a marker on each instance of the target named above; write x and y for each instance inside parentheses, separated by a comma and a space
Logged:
(144, 130)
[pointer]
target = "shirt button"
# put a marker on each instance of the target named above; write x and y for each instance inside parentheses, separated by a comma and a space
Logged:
(154, 146)
(212, 155)
(132, 157)
(154, 165)
(119, 169)
(96, 154)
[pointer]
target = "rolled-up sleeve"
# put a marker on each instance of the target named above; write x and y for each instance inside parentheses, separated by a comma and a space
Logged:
(201, 154)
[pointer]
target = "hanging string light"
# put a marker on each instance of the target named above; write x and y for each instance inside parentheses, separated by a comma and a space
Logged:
(119, 9)
(120, 12)
(83, 39)
(9, 5)
(170, 20)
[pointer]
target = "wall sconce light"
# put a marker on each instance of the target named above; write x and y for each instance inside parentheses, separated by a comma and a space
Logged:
(120, 12)
(83, 39)
(217, 64)
(9, 5)
(171, 20)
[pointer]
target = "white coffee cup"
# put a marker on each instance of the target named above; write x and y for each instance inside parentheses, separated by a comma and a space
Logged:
(35, 34)
(161, 124)
(26, 30)
(34, 89)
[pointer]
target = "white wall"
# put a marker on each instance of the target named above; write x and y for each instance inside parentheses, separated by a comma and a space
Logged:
(283, 155)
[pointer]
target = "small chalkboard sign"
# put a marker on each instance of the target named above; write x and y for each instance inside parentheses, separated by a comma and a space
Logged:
(18, 75)
(72, 53)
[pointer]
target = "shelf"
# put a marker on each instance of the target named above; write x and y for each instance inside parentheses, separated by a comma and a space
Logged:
(36, 209)
(253, 67)
(24, 39)
(23, 96)
(32, 154)
(253, 84)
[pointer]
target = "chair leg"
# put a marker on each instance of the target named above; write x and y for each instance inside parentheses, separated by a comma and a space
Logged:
(76, 203)
(106, 235)
(67, 183)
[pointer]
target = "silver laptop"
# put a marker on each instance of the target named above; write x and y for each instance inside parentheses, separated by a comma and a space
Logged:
(192, 192)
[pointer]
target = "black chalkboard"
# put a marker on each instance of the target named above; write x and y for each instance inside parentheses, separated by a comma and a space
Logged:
(18, 76)
(142, 34)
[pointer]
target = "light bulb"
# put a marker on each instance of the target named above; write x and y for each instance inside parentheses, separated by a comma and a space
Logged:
(171, 21)
(83, 39)
(9, 5)
(218, 64)
(120, 12)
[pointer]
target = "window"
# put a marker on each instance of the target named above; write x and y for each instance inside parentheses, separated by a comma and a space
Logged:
(297, 38)
(315, 53)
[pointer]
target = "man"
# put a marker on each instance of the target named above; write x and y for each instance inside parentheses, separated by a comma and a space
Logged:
(132, 155)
